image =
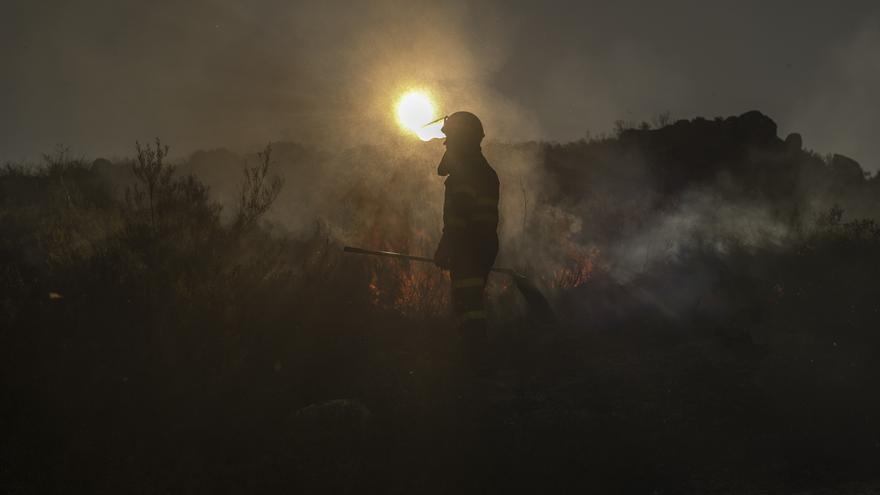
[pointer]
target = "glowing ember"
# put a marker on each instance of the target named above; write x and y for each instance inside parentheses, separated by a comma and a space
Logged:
(375, 292)
(414, 110)
(409, 289)
(577, 270)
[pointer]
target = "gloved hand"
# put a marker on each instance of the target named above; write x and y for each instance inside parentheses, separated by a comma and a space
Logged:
(443, 255)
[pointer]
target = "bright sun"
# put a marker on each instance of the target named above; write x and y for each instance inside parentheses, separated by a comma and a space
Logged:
(414, 110)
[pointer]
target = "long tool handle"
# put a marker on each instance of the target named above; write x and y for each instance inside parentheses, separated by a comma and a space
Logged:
(392, 254)
(389, 254)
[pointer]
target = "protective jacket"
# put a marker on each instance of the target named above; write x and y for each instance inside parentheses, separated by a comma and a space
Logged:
(470, 212)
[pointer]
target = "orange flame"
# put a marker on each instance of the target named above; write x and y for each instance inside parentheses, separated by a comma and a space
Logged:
(577, 270)
(409, 289)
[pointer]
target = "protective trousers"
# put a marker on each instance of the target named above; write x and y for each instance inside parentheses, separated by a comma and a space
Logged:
(468, 299)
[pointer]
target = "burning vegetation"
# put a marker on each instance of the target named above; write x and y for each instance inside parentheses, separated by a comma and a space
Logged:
(705, 273)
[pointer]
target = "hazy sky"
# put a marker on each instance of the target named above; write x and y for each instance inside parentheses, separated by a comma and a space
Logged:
(98, 74)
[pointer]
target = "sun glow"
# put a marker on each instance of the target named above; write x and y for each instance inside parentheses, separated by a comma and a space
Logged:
(414, 111)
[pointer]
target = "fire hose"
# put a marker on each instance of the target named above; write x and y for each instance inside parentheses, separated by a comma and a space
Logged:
(536, 301)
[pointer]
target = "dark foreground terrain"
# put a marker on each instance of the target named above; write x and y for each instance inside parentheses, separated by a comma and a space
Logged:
(153, 342)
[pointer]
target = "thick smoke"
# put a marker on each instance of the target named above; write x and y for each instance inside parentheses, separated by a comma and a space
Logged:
(219, 73)
(97, 75)
(320, 81)
(620, 205)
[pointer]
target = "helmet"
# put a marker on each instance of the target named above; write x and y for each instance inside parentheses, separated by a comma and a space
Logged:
(463, 125)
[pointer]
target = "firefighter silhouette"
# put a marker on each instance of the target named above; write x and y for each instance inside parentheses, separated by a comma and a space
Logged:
(470, 228)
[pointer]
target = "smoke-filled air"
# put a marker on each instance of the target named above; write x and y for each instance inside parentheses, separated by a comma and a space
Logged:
(454, 247)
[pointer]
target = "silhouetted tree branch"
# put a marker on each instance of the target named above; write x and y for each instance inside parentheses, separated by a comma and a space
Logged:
(258, 190)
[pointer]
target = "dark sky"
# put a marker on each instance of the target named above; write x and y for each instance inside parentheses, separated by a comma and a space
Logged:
(98, 74)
